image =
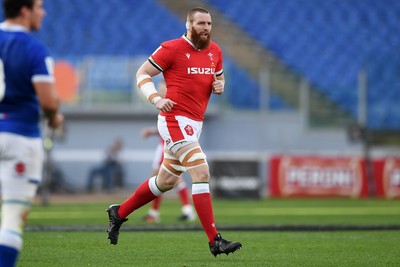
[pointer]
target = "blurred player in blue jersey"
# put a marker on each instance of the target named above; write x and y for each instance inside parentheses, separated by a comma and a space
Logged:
(26, 89)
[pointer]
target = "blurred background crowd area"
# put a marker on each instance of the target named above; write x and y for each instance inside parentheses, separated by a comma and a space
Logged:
(300, 76)
(272, 49)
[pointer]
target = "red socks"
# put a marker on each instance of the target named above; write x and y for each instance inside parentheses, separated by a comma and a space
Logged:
(145, 193)
(155, 205)
(148, 191)
(183, 193)
(202, 203)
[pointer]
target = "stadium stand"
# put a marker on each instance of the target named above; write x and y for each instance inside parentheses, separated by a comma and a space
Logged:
(123, 29)
(115, 28)
(328, 42)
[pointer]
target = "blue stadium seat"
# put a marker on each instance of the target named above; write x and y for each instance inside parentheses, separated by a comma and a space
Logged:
(328, 42)
(101, 28)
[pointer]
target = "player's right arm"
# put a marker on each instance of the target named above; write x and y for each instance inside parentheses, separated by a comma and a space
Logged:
(49, 101)
(146, 85)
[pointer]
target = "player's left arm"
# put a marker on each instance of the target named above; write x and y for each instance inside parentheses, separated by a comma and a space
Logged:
(44, 84)
(218, 84)
(49, 101)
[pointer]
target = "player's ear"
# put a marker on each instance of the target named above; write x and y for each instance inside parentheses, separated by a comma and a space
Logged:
(187, 25)
(24, 11)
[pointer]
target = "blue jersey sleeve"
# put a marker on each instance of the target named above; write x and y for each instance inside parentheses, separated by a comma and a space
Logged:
(42, 64)
(25, 61)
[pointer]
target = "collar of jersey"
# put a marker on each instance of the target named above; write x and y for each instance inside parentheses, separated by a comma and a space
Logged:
(12, 27)
(187, 40)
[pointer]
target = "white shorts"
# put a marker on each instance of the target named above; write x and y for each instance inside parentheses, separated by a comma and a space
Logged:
(21, 165)
(178, 129)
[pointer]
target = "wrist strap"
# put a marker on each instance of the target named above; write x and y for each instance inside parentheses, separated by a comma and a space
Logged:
(146, 86)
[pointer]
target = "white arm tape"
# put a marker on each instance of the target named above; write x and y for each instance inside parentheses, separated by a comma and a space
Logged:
(146, 86)
(156, 99)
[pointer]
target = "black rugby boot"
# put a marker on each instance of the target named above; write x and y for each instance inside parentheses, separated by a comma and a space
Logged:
(115, 223)
(221, 245)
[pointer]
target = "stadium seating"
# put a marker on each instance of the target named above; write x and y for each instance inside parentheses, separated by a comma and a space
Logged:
(109, 27)
(124, 28)
(328, 42)
(250, 95)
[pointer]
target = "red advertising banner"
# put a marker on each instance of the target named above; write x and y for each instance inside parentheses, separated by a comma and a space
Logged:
(387, 177)
(317, 176)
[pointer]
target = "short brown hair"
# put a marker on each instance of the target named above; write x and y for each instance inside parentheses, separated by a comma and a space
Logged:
(194, 11)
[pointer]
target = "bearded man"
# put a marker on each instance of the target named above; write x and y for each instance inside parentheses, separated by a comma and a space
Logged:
(193, 70)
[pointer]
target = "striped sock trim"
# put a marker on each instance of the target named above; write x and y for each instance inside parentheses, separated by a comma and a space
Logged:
(200, 188)
(26, 203)
(153, 186)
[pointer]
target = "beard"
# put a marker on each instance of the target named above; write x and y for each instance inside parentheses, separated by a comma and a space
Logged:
(198, 40)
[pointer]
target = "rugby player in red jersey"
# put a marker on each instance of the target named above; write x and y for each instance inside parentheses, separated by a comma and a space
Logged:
(188, 213)
(192, 68)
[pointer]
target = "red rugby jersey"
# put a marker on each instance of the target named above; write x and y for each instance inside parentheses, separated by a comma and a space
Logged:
(189, 74)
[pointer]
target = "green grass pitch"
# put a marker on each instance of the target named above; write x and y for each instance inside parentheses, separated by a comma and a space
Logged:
(86, 244)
